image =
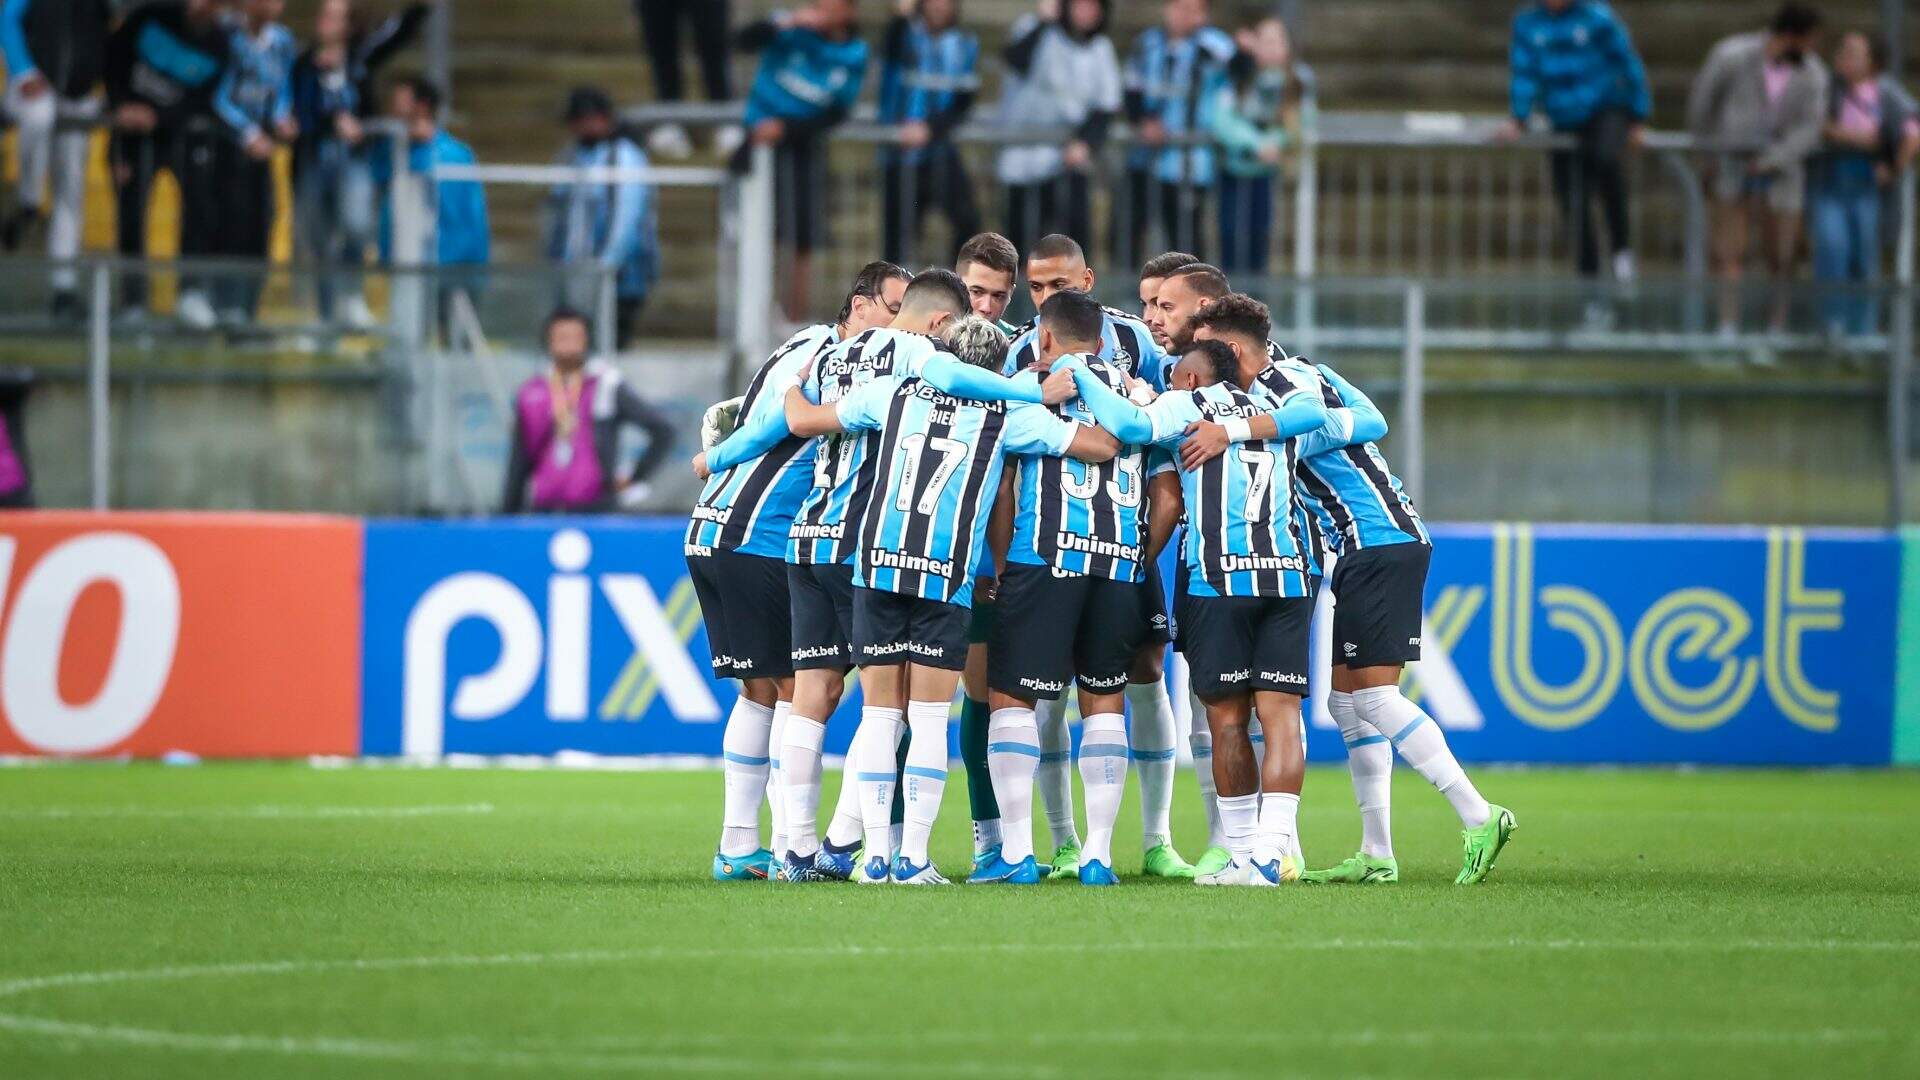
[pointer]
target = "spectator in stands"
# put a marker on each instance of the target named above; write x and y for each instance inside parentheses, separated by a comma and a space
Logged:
(164, 63)
(607, 225)
(811, 66)
(16, 476)
(660, 22)
(566, 431)
(55, 53)
(1872, 135)
(333, 187)
(256, 101)
(1574, 61)
(460, 243)
(1062, 70)
(1166, 76)
(1253, 112)
(1767, 89)
(929, 78)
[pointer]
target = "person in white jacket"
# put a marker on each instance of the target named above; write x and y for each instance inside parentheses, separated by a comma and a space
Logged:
(1062, 70)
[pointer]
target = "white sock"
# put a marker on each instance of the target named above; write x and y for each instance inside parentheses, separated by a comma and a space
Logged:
(1013, 754)
(1240, 819)
(1200, 741)
(987, 832)
(1150, 737)
(874, 769)
(1103, 775)
(1054, 777)
(1278, 814)
(744, 765)
(1421, 743)
(926, 777)
(800, 772)
(776, 780)
(844, 831)
(1370, 763)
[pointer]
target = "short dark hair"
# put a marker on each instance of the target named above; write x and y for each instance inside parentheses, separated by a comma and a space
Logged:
(1222, 366)
(1236, 313)
(564, 313)
(1057, 246)
(991, 250)
(870, 281)
(1795, 18)
(1075, 318)
(936, 289)
(1205, 280)
(1166, 263)
(424, 90)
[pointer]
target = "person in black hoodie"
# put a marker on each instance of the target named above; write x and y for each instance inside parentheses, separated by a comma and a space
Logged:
(55, 53)
(163, 66)
(333, 91)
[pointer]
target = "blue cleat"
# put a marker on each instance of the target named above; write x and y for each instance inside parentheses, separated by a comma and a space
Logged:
(1095, 872)
(834, 865)
(1001, 872)
(874, 873)
(755, 867)
(905, 873)
(797, 869)
(984, 858)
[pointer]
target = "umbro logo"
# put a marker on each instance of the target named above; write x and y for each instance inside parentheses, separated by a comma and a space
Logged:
(1349, 648)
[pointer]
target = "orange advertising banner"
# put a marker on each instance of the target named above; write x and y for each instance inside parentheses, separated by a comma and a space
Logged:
(220, 635)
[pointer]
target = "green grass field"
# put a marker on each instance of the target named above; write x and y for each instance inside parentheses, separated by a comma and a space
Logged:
(287, 921)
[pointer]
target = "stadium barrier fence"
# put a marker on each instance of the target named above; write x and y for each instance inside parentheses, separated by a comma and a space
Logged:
(284, 636)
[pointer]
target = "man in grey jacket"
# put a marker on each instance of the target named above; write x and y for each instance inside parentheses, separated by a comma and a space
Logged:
(1766, 89)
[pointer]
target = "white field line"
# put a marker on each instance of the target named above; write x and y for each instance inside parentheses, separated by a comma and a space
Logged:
(248, 813)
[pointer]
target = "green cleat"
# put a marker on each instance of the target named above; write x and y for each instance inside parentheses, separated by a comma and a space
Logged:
(1357, 869)
(1162, 861)
(1066, 863)
(1483, 845)
(1214, 860)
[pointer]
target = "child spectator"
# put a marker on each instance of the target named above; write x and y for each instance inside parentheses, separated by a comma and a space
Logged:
(1253, 111)
(256, 101)
(1166, 77)
(609, 225)
(1061, 69)
(928, 82)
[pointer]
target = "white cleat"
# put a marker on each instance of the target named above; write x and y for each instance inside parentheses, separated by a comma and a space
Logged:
(873, 872)
(1234, 873)
(905, 873)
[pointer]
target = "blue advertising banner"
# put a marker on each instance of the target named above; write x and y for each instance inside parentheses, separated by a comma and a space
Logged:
(1542, 643)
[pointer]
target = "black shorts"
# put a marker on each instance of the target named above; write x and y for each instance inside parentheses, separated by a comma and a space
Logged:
(1155, 620)
(980, 625)
(1054, 628)
(889, 628)
(1234, 644)
(1377, 604)
(743, 599)
(822, 615)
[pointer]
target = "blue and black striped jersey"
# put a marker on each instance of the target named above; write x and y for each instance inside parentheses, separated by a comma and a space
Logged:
(749, 507)
(1081, 518)
(1125, 342)
(929, 485)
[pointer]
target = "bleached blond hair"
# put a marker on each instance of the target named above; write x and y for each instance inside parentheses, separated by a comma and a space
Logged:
(976, 341)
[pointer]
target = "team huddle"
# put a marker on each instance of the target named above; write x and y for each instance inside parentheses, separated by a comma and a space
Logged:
(942, 502)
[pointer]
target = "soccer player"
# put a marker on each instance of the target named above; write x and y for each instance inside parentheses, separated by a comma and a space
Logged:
(821, 548)
(1075, 573)
(1152, 274)
(1379, 579)
(928, 487)
(736, 540)
(1248, 599)
(987, 265)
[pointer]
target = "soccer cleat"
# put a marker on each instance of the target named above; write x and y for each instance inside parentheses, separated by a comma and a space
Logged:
(834, 865)
(1359, 868)
(1214, 860)
(1234, 873)
(905, 873)
(797, 869)
(1483, 845)
(875, 872)
(755, 867)
(1095, 872)
(1162, 861)
(1066, 862)
(984, 858)
(1280, 871)
(1002, 872)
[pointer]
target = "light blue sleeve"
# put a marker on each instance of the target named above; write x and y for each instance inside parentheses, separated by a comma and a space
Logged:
(285, 51)
(229, 110)
(1128, 422)
(865, 409)
(1170, 414)
(1035, 429)
(13, 40)
(1369, 424)
(630, 203)
(951, 375)
(1299, 413)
